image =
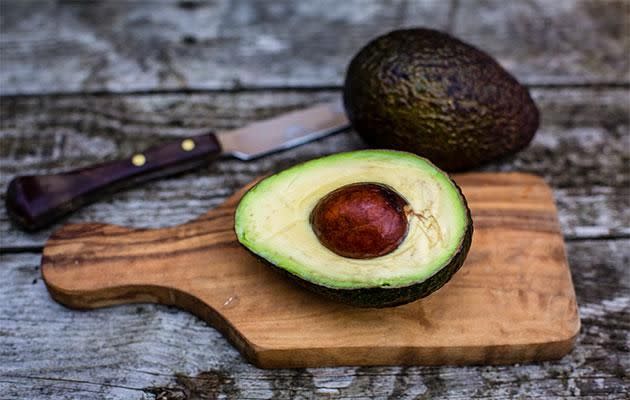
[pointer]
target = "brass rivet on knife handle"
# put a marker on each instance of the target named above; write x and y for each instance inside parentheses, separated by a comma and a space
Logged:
(138, 160)
(188, 144)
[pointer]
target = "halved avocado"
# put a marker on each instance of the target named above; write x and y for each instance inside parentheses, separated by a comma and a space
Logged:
(334, 225)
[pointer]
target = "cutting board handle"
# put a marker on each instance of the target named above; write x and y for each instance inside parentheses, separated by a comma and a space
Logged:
(91, 265)
(78, 256)
(95, 265)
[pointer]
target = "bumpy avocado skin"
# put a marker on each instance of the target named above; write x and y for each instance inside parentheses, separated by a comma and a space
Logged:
(423, 91)
(382, 297)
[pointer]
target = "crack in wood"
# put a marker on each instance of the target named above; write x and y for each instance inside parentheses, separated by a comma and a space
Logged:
(84, 382)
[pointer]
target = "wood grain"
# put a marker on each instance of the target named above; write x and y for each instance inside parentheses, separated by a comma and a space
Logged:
(142, 46)
(513, 301)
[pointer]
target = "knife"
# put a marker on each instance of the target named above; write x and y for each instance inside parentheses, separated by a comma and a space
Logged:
(36, 201)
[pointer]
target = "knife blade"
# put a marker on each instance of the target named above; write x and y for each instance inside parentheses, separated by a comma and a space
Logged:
(284, 132)
(36, 201)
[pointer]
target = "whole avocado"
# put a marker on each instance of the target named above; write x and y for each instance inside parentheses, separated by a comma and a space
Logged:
(423, 91)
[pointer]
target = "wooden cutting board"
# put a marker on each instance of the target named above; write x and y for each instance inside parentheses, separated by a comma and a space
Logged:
(512, 301)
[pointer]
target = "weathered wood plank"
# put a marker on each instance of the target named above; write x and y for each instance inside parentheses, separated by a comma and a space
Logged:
(144, 351)
(581, 150)
(50, 46)
(581, 141)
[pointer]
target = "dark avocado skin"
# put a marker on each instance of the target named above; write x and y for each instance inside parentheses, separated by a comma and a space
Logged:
(423, 91)
(381, 297)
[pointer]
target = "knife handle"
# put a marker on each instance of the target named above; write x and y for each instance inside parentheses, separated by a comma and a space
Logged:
(36, 201)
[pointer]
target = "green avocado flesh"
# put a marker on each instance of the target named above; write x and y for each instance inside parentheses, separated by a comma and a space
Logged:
(426, 92)
(272, 221)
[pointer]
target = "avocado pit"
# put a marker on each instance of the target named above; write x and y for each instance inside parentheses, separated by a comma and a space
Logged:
(361, 220)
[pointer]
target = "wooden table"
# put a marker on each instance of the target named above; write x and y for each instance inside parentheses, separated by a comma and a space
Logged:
(87, 83)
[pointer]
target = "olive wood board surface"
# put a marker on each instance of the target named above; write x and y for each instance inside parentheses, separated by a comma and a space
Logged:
(512, 301)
